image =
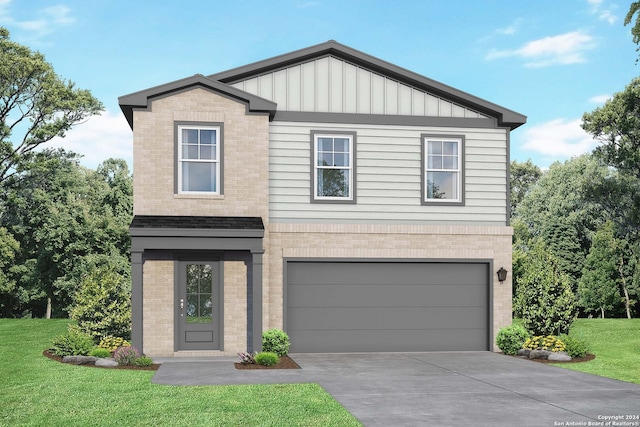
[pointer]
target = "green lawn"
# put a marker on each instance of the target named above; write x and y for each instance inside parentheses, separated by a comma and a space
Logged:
(616, 344)
(38, 391)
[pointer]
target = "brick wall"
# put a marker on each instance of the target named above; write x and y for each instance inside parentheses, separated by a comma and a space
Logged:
(235, 307)
(158, 309)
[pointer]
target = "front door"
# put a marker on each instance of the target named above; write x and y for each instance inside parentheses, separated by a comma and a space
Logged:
(198, 306)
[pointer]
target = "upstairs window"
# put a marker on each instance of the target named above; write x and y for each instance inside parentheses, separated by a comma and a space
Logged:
(333, 167)
(443, 170)
(199, 159)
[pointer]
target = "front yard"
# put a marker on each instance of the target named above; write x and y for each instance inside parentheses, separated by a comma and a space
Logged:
(39, 391)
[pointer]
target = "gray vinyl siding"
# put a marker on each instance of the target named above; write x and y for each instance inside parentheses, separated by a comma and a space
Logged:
(388, 177)
(332, 85)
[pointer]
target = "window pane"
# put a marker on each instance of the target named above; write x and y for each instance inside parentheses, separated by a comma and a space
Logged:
(434, 162)
(325, 159)
(193, 278)
(192, 305)
(206, 152)
(442, 185)
(325, 144)
(450, 162)
(450, 148)
(189, 136)
(341, 145)
(333, 183)
(207, 137)
(205, 279)
(199, 176)
(340, 159)
(205, 308)
(189, 151)
(435, 147)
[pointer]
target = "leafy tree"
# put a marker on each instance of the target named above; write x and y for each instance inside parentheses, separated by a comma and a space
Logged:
(598, 287)
(545, 299)
(523, 177)
(635, 30)
(8, 293)
(34, 98)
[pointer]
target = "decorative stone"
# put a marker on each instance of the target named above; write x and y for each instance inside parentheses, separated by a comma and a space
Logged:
(524, 352)
(539, 354)
(79, 360)
(107, 363)
(560, 357)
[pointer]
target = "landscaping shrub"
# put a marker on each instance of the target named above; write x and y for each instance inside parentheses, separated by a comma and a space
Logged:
(267, 358)
(100, 352)
(73, 343)
(275, 341)
(549, 342)
(102, 305)
(111, 343)
(247, 358)
(143, 361)
(511, 338)
(575, 347)
(126, 356)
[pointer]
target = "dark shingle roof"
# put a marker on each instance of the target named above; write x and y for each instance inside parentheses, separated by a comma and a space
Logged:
(194, 222)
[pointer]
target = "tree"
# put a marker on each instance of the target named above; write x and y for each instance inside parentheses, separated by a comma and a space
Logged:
(635, 30)
(34, 98)
(8, 248)
(523, 178)
(545, 299)
(598, 287)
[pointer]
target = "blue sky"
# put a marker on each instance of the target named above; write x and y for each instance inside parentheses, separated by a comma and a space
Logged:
(550, 60)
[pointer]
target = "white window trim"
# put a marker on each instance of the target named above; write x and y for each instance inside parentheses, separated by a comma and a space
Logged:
(217, 160)
(350, 168)
(460, 170)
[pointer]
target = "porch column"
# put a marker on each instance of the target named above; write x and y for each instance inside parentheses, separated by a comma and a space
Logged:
(136, 300)
(255, 325)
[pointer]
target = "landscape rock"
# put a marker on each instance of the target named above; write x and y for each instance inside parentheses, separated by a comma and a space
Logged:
(539, 354)
(107, 363)
(524, 352)
(79, 360)
(560, 357)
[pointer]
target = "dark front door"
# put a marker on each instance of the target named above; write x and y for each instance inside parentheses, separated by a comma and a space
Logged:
(198, 306)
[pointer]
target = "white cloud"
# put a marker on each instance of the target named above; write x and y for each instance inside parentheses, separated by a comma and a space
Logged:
(603, 14)
(98, 139)
(44, 21)
(562, 49)
(511, 28)
(558, 139)
(599, 99)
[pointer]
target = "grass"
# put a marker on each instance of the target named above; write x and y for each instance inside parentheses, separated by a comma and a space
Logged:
(38, 391)
(616, 344)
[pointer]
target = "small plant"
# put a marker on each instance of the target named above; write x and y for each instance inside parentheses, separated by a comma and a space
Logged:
(275, 341)
(100, 352)
(247, 358)
(575, 347)
(126, 356)
(111, 343)
(143, 361)
(73, 343)
(511, 338)
(549, 342)
(267, 358)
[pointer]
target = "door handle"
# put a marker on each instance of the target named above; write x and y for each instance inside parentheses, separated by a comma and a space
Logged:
(181, 307)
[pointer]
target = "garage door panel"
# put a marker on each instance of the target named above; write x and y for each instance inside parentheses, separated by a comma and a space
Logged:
(397, 318)
(411, 340)
(391, 295)
(332, 273)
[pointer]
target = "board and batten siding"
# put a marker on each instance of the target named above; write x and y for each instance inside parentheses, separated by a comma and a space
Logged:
(332, 85)
(388, 176)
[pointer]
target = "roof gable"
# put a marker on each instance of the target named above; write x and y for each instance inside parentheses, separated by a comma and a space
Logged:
(408, 93)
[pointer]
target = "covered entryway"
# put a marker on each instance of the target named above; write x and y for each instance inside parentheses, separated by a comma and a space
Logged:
(362, 306)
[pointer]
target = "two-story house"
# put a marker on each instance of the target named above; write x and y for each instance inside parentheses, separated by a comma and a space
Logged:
(355, 204)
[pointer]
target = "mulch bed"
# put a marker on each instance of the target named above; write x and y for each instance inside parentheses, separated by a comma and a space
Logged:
(587, 358)
(285, 363)
(153, 367)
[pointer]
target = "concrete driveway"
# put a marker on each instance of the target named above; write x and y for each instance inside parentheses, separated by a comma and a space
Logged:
(437, 389)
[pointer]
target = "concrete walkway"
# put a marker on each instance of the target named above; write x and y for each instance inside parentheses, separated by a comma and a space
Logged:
(437, 389)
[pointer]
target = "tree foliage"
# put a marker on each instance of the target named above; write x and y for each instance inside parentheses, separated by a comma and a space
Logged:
(523, 177)
(635, 30)
(34, 102)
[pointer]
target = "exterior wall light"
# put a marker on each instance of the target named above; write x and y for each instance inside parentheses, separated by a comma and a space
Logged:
(502, 274)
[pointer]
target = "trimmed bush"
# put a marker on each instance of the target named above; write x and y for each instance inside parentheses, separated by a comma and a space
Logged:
(126, 356)
(247, 358)
(267, 358)
(549, 343)
(575, 347)
(143, 361)
(511, 338)
(100, 352)
(111, 343)
(275, 341)
(73, 343)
